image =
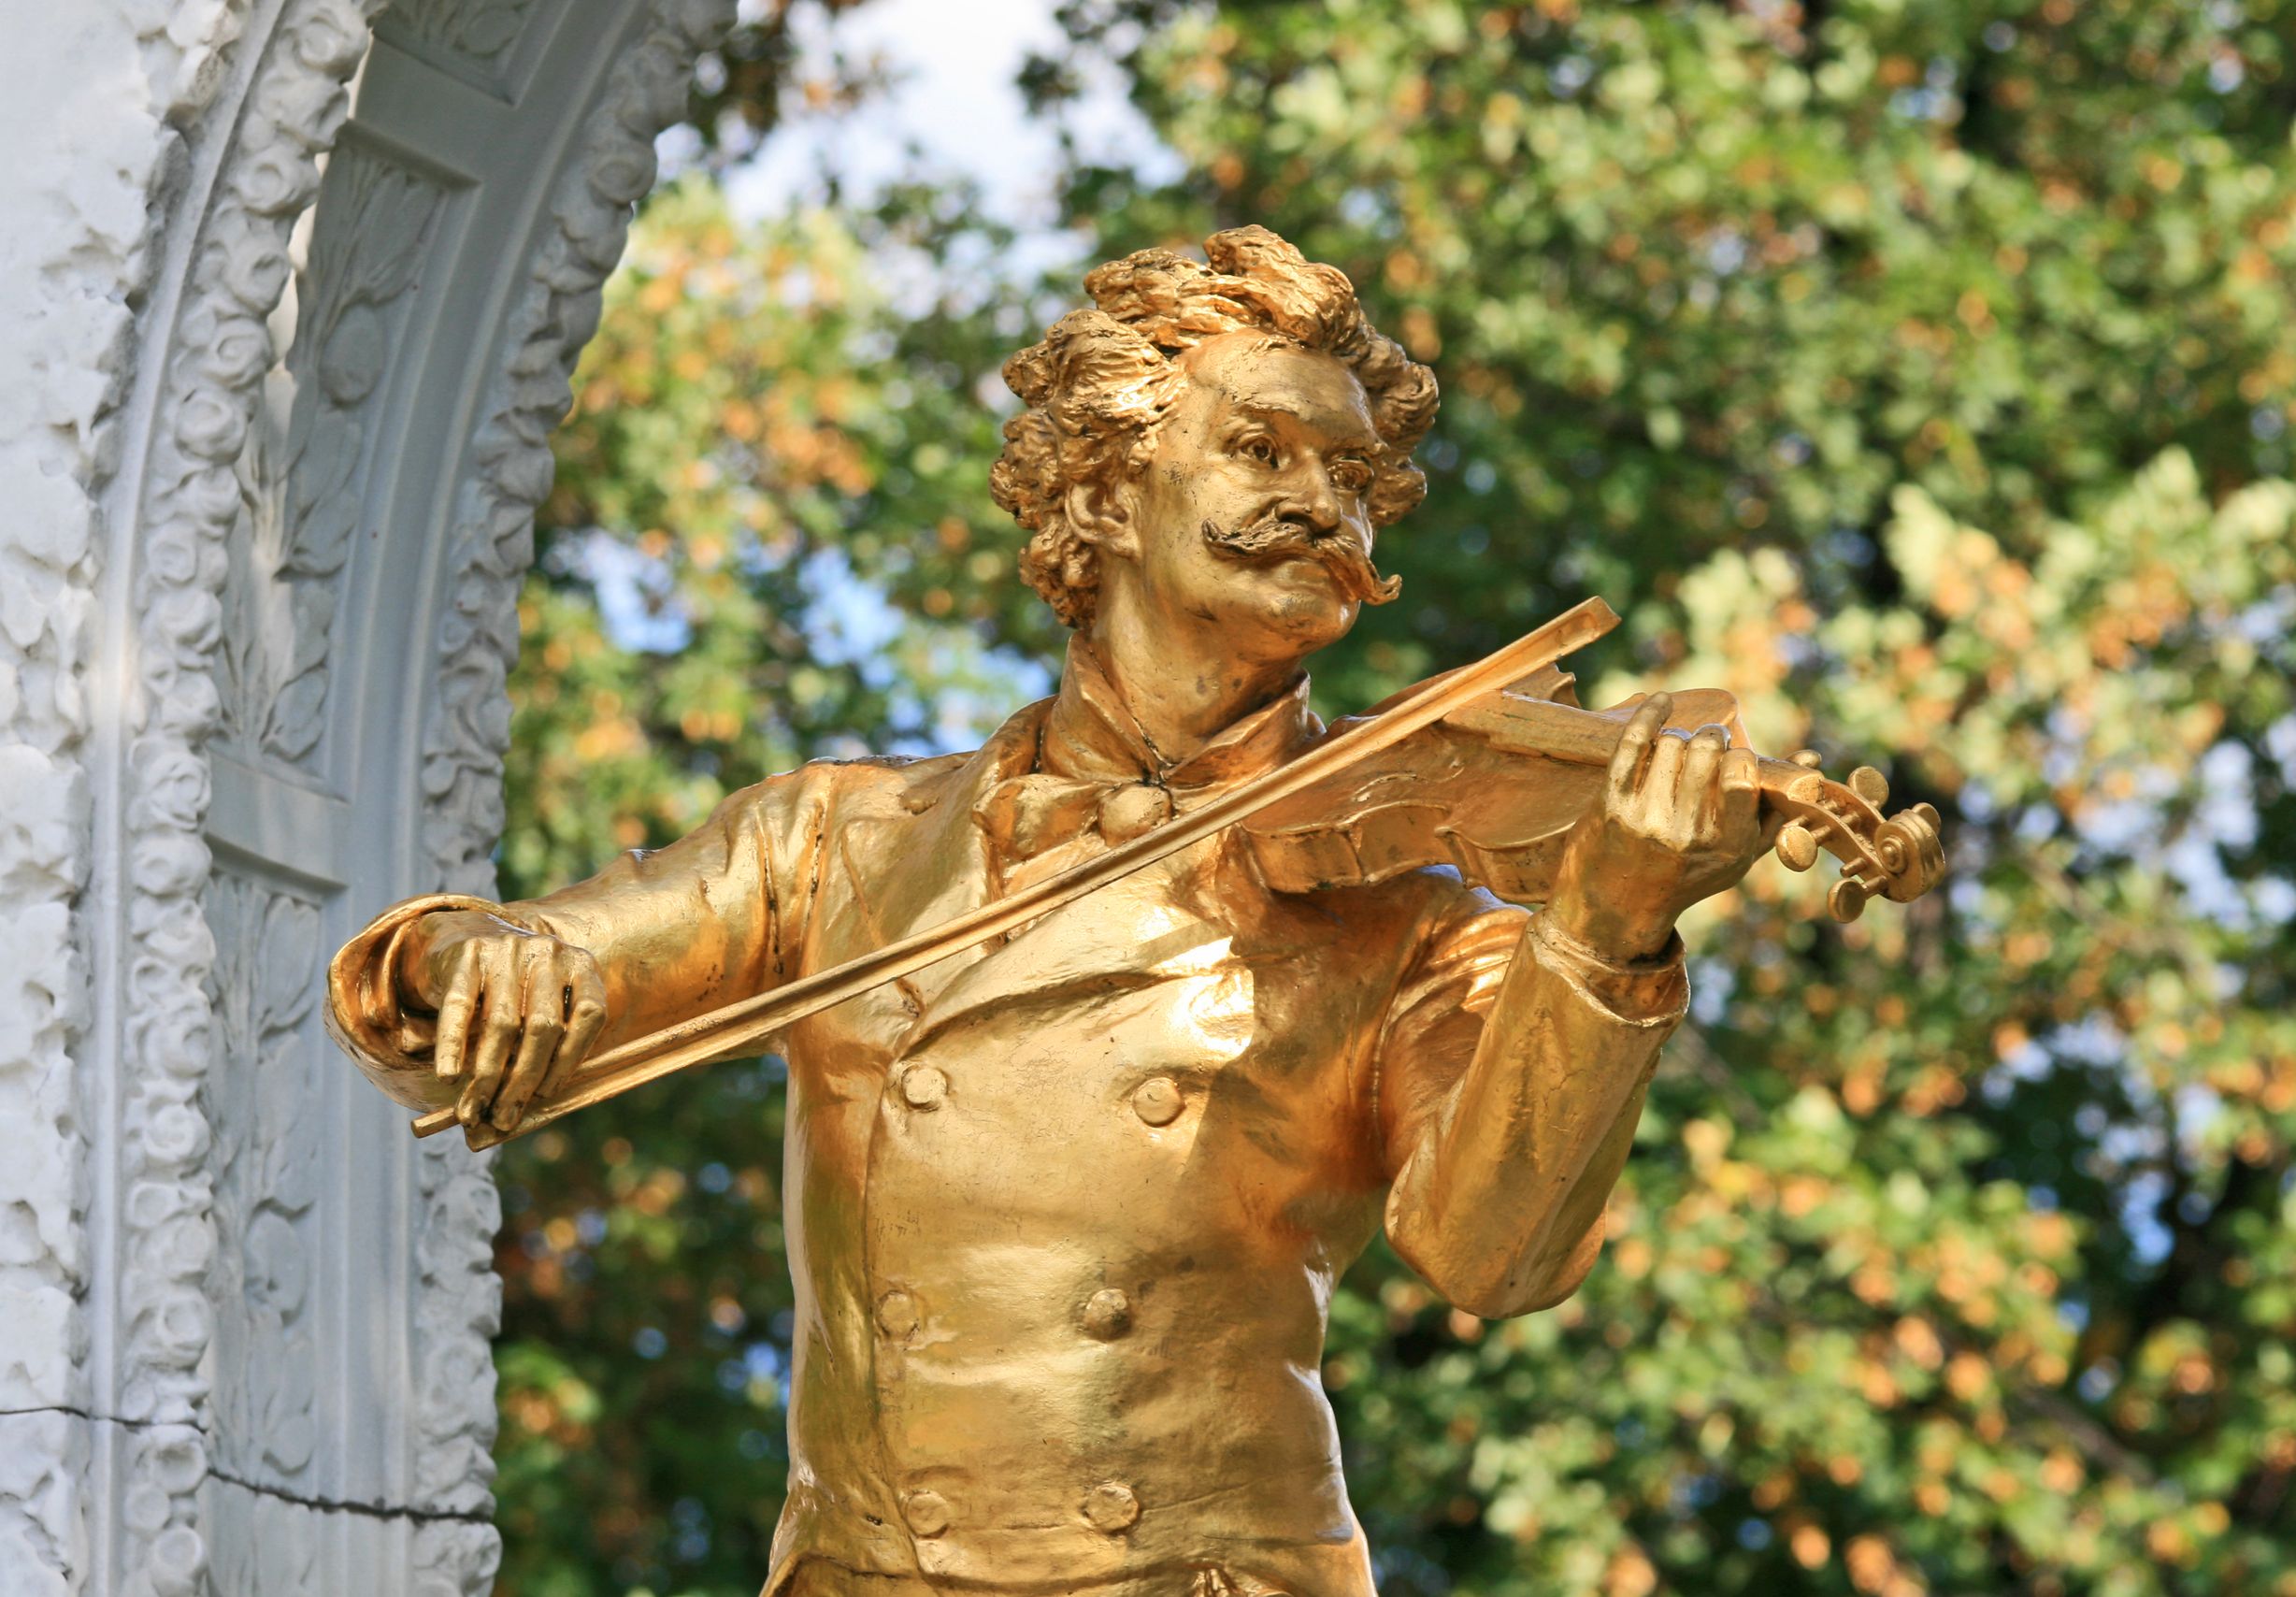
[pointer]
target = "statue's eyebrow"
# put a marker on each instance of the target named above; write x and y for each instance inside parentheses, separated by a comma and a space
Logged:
(1267, 408)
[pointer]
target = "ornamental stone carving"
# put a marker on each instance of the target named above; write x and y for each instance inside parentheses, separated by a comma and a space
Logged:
(270, 1149)
(217, 421)
(302, 473)
(494, 531)
(475, 35)
(293, 108)
(114, 89)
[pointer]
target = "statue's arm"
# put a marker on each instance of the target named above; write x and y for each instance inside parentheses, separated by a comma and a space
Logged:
(655, 937)
(1501, 1169)
(1511, 1079)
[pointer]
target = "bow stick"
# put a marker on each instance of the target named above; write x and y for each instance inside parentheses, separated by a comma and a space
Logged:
(723, 1032)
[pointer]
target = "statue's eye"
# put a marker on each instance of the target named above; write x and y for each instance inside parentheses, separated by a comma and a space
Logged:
(1353, 474)
(1259, 448)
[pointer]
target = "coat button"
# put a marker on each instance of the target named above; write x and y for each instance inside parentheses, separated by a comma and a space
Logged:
(1134, 809)
(896, 1314)
(1158, 1100)
(927, 1511)
(923, 1087)
(1108, 1315)
(1110, 1507)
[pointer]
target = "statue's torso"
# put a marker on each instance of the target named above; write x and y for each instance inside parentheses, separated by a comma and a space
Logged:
(1065, 1217)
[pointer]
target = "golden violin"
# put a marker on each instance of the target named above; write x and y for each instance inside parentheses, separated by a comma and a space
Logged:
(1493, 789)
(1479, 769)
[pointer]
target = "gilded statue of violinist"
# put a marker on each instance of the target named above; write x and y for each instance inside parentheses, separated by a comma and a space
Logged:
(1065, 1203)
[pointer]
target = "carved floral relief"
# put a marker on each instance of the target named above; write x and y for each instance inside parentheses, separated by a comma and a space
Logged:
(259, 1098)
(263, 1548)
(301, 487)
(481, 32)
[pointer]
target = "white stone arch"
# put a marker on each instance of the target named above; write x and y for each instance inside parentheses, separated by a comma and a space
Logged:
(252, 690)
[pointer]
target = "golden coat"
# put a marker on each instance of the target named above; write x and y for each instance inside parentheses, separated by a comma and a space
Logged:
(1065, 1214)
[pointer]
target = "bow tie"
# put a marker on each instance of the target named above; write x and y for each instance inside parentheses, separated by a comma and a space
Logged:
(1108, 783)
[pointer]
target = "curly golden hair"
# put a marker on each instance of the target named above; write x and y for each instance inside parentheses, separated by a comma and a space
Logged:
(1103, 379)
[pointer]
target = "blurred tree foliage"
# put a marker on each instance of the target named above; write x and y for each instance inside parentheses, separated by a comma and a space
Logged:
(1922, 373)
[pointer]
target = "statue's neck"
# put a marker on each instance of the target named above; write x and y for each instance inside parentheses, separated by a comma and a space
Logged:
(1182, 682)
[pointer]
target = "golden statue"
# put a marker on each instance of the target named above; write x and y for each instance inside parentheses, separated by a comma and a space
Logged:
(1111, 1044)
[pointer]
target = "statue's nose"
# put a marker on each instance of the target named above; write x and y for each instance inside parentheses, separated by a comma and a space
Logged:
(1319, 502)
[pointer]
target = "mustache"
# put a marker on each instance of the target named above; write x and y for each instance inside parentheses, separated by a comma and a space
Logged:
(1273, 537)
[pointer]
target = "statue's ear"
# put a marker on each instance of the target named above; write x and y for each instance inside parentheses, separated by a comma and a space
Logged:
(1101, 512)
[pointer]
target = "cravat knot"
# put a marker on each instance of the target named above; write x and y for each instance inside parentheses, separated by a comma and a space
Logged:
(1029, 815)
(1130, 809)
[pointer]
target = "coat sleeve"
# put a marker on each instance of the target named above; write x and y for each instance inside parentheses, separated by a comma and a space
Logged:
(1510, 1078)
(716, 916)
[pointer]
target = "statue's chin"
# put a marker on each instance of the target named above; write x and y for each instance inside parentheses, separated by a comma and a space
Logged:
(1299, 614)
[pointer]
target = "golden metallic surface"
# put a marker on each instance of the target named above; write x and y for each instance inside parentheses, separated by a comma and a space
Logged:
(1108, 1315)
(1158, 1101)
(1114, 1042)
(1846, 901)
(1133, 811)
(1797, 848)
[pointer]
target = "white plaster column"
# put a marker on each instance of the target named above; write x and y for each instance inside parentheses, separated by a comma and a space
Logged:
(94, 101)
(289, 355)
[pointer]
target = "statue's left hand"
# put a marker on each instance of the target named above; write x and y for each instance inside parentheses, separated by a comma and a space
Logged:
(518, 1010)
(1679, 820)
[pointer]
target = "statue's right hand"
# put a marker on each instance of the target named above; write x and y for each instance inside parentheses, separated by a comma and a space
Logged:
(518, 1010)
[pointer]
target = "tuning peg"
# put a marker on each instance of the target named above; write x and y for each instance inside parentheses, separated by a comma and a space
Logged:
(1797, 848)
(1809, 759)
(1847, 900)
(1870, 786)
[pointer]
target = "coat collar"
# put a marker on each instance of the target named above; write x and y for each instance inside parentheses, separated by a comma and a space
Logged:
(1091, 733)
(939, 857)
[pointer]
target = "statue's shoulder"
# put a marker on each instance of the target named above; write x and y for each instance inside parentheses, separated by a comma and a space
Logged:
(889, 782)
(898, 785)
(918, 784)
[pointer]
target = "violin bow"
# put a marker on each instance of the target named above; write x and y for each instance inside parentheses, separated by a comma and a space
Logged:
(724, 1033)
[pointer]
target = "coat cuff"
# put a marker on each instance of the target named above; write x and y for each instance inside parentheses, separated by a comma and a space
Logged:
(390, 1043)
(1642, 993)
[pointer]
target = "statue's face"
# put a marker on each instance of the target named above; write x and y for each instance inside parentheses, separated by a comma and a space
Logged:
(1272, 438)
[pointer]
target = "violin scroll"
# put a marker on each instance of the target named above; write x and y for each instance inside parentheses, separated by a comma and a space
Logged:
(1899, 857)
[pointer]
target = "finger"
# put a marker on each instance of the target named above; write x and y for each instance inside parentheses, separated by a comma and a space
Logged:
(1634, 744)
(497, 1029)
(1699, 800)
(1655, 798)
(1741, 795)
(452, 1037)
(585, 1019)
(544, 1002)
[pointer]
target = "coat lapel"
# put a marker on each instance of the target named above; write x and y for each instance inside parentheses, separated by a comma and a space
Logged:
(1133, 934)
(916, 863)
